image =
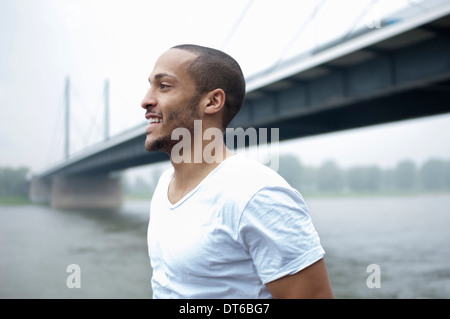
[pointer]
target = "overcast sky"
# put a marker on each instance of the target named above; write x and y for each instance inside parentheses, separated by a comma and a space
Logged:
(44, 41)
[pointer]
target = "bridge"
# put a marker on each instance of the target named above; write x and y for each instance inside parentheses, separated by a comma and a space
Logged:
(396, 72)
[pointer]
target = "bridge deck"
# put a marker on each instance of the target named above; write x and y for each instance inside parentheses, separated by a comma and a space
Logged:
(400, 71)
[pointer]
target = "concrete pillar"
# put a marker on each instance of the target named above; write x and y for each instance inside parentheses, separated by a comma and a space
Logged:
(91, 192)
(39, 190)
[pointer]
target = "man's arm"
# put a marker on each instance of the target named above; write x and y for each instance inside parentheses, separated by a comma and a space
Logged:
(311, 282)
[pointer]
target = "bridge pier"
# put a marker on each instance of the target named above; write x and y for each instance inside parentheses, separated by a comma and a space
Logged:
(39, 191)
(78, 192)
(91, 192)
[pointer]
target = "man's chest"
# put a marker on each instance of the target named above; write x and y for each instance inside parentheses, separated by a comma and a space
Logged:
(193, 242)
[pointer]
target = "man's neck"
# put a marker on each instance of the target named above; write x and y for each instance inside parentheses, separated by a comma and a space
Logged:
(189, 174)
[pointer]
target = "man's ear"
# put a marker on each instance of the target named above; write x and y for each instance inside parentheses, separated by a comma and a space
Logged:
(215, 101)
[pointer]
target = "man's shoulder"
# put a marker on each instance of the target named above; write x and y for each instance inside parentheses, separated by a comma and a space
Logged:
(245, 173)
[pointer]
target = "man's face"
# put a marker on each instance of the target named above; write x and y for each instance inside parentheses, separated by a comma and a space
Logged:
(171, 101)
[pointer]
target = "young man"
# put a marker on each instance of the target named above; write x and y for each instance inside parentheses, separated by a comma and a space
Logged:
(228, 227)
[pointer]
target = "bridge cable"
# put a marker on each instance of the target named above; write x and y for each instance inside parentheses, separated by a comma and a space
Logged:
(76, 117)
(299, 32)
(93, 126)
(358, 19)
(92, 119)
(55, 145)
(237, 23)
(420, 6)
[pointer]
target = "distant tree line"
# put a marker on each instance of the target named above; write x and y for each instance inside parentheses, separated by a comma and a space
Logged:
(433, 175)
(14, 182)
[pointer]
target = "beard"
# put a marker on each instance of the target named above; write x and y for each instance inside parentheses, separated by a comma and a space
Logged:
(175, 119)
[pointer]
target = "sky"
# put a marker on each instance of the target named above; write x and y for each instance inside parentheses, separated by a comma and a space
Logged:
(45, 41)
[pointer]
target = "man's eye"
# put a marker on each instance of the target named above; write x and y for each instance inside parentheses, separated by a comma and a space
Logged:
(163, 86)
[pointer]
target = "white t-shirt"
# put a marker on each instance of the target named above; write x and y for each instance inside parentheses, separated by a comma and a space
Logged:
(240, 228)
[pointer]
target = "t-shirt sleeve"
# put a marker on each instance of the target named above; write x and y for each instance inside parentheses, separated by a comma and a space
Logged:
(276, 230)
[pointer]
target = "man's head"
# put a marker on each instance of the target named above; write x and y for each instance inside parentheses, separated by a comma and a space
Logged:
(214, 69)
(188, 83)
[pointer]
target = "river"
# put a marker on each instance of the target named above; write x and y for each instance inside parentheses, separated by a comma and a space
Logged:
(406, 237)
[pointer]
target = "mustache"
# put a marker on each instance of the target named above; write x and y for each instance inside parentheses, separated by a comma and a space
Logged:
(154, 113)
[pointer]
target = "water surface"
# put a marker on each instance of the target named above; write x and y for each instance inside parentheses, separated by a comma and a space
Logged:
(408, 237)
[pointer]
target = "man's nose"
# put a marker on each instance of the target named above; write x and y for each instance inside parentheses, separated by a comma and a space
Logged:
(149, 100)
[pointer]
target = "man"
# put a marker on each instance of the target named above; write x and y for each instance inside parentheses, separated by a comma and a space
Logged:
(228, 227)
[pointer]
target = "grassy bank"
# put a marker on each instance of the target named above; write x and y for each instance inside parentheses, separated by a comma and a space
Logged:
(15, 201)
(342, 194)
(147, 197)
(396, 193)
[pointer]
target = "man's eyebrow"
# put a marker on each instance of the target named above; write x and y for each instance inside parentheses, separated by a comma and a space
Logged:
(160, 75)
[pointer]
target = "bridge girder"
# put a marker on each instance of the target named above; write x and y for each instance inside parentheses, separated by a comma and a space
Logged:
(369, 80)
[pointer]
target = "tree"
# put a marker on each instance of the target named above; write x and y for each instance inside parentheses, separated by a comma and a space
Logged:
(374, 178)
(308, 178)
(447, 175)
(405, 175)
(355, 178)
(13, 182)
(364, 178)
(387, 179)
(330, 177)
(433, 174)
(291, 170)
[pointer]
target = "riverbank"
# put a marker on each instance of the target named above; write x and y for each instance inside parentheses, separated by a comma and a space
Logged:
(396, 193)
(16, 200)
(319, 195)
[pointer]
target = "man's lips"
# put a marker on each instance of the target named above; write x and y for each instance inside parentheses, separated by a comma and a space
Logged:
(154, 119)
(150, 115)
